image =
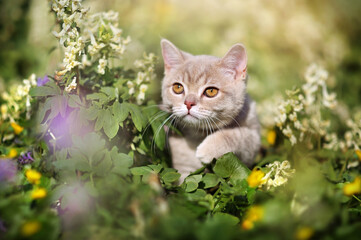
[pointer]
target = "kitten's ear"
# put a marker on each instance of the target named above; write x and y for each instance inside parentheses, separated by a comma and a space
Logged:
(172, 56)
(235, 61)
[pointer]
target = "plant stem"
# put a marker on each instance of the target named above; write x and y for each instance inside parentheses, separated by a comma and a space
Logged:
(343, 167)
(356, 198)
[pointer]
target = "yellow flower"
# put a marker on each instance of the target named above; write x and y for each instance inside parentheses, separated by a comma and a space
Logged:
(271, 137)
(30, 228)
(352, 188)
(33, 176)
(254, 214)
(38, 193)
(17, 128)
(247, 224)
(358, 153)
(12, 153)
(255, 178)
(304, 233)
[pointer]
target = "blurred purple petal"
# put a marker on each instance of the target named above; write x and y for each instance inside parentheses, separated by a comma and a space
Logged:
(25, 158)
(7, 170)
(2, 226)
(42, 81)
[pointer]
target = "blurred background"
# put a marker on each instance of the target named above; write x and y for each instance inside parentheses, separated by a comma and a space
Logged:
(282, 38)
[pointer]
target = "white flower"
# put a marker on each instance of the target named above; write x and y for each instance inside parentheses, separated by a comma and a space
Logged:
(293, 117)
(293, 140)
(94, 47)
(110, 16)
(140, 77)
(143, 88)
(71, 86)
(278, 174)
(139, 64)
(131, 85)
(287, 131)
(141, 96)
(119, 48)
(298, 125)
(101, 66)
(85, 62)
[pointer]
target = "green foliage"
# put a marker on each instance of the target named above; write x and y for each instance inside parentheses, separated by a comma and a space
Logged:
(102, 171)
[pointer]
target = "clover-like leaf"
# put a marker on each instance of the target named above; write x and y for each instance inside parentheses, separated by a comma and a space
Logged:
(229, 166)
(210, 180)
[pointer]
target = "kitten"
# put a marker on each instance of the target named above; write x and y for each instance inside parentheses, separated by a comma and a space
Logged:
(208, 96)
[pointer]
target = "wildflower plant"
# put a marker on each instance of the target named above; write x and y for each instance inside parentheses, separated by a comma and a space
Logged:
(300, 117)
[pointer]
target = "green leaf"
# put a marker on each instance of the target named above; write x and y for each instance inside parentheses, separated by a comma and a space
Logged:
(198, 195)
(156, 168)
(88, 145)
(100, 120)
(191, 186)
(120, 111)
(229, 166)
(226, 218)
(91, 113)
(210, 180)
(122, 163)
(156, 119)
(65, 164)
(97, 96)
(170, 177)
(74, 101)
(110, 91)
(251, 195)
(81, 165)
(191, 182)
(58, 105)
(44, 91)
(104, 165)
(137, 116)
(43, 109)
(110, 125)
(139, 171)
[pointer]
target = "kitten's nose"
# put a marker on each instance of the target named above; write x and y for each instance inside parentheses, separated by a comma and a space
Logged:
(189, 104)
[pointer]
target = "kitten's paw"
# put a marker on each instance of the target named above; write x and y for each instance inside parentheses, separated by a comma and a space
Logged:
(205, 153)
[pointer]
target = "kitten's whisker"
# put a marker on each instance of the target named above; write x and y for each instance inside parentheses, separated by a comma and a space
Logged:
(154, 105)
(170, 118)
(152, 119)
(167, 135)
(219, 129)
(210, 122)
(199, 123)
(224, 124)
(233, 119)
(211, 125)
(158, 131)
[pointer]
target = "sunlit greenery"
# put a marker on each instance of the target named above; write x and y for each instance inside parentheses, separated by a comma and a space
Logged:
(83, 151)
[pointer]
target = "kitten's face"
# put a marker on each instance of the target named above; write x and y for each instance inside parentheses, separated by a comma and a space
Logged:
(203, 91)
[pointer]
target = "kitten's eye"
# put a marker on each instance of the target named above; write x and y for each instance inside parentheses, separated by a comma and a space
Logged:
(178, 88)
(211, 92)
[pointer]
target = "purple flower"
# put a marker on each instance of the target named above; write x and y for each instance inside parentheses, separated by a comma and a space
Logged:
(42, 81)
(7, 170)
(25, 158)
(2, 226)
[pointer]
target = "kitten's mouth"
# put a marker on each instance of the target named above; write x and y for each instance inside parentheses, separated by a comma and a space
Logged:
(190, 118)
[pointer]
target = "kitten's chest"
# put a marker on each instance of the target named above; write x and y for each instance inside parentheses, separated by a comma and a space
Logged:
(193, 136)
(183, 151)
(183, 148)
